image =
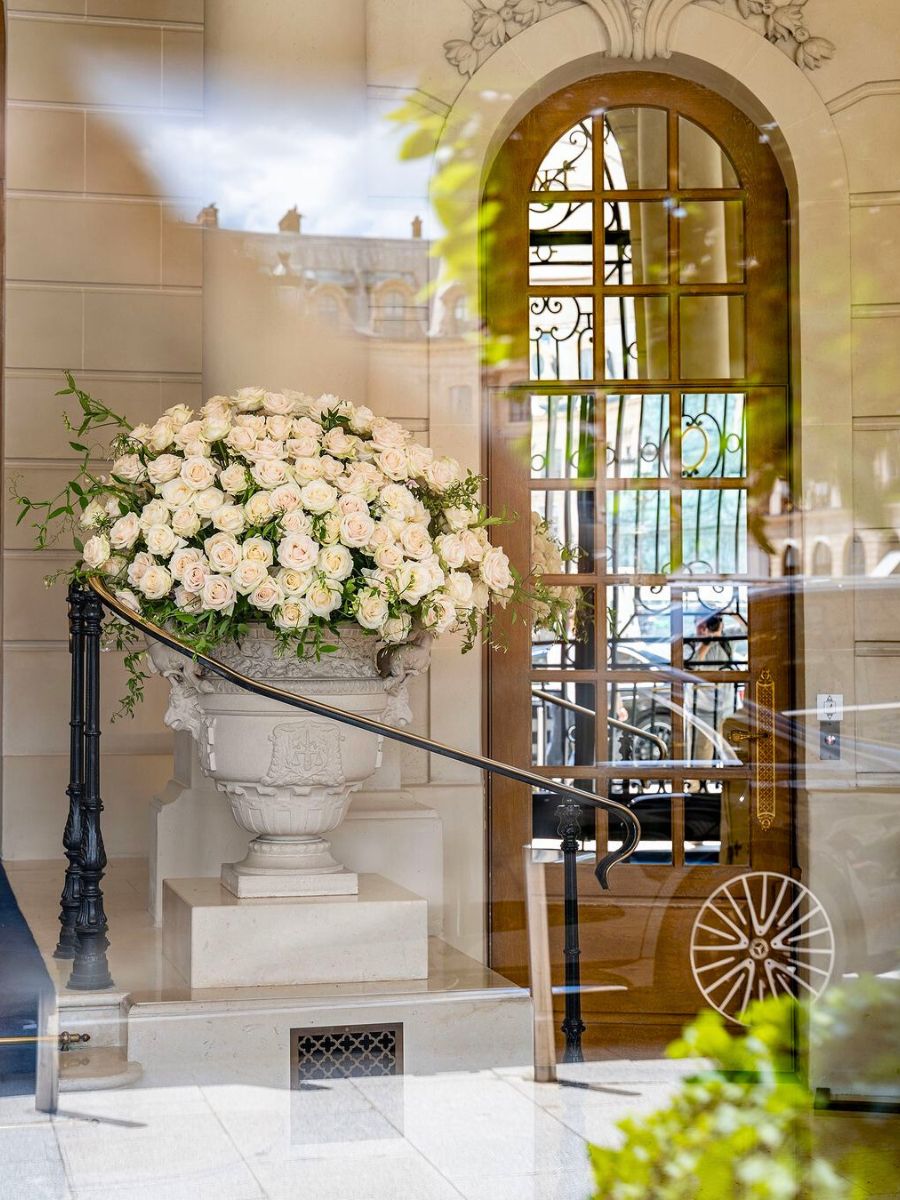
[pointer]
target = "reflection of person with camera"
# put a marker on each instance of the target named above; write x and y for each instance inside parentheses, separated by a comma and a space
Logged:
(712, 702)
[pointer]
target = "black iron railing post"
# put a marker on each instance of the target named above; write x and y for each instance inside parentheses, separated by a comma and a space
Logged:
(71, 892)
(569, 813)
(90, 970)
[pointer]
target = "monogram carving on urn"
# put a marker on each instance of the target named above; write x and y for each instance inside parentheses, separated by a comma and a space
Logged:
(289, 777)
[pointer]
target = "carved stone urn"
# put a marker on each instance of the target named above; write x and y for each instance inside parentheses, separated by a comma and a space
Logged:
(289, 776)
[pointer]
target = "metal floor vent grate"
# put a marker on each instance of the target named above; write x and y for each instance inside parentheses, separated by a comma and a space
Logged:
(346, 1052)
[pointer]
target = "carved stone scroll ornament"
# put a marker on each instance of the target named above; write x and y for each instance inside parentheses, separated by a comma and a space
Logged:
(636, 29)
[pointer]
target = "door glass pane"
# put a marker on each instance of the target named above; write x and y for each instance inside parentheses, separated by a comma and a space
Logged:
(567, 165)
(637, 532)
(639, 627)
(711, 241)
(562, 437)
(563, 533)
(713, 435)
(636, 337)
(635, 240)
(574, 647)
(641, 721)
(561, 330)
(712, 337)
(563, 720)
(716, 627)
(637, 436)
(702, 163)
(560, 240)
(706, 708)
(634, 148)
(714, 530)
(716, 822)
(651, 800)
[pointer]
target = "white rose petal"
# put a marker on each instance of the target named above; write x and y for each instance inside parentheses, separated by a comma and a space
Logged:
(129, 468)
(182, 559)
(459, 588)
(441, 473)
(234, 479)
(356, 529)
(208, 501)
(271, 472)
(258, 549)
(161, 470)
(125, 532)
(416, 541)
(259, 508)
(248, 575)
(162, 540)
(286, 498)
(323, 597)
(297, 521)
(249, 399)
(292, 614)
(223, 552)
(495, 570)
(229, 518)
(319, 496)
(294, 582)
(198, 473)
(129, 599)
(155, 582)
(218, 593)
(336, 562)
(176, 493)
(139, 565)
(451, 550)
(185, 521)
(96, 550)
(396, 629)
(195, 576)
(371, 609)
(267, 595)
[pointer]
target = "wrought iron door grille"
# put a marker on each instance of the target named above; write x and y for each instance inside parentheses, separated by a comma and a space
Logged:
(346, 1052)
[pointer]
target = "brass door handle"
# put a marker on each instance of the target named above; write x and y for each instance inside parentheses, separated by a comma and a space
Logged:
(740, 736)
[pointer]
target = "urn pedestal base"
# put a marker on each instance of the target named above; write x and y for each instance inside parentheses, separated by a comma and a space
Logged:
(217, 940)
(247, 884)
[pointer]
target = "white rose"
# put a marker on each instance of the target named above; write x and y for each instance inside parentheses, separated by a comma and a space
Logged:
(270, 472)
(195, 576)
(413, 580)
(92, 515)
(182, 559)
(394, 462)
(155, 582)
(248, 575)
(196, 448)
(307, 469)
(296, 522)
(129, 468)
(329, 528)
(371, 609)
(140, 434)
(218, 593)
(382, 535)
(234, 479)
(267, 450)
(258, 549)
(332, 469)
(229, 518)
(419, 458)
(127, 597)
(154, 513)
(96, 550)
(292, 614)
(302, 447)
(361, 419)
(215, 426)
(293, 582)
(340, 443)
(495, 570)
(208, 501)
(162, 540)
(451, 550)
(162, 469)
(249, 399)
(363, 480)
(125, 532)
(441, 473)
(241, 439)
(327, 403)
(356, 529)
(279, 427)
(318, 496)
(323, 596)
(388, 557)
(285, 498)
(161, 435)
(198, 473)
(307, 427)
(187, 601)
(276, 403)
(266, 595)
(474, 543)
(459, 588)
(336, 562)
(255, 422)
(352, 504)
(223, 552)
(481, 597)
(190, 431)
(178, 415)
(139, 565)
(397, 501)
(176, 493)
(458, 517)
(396, 629)
(258, 508)
(439, 613)
(387, 434)
(416, 541)
(185, 521)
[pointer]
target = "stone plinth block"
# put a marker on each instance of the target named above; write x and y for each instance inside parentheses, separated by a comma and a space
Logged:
(217, 940)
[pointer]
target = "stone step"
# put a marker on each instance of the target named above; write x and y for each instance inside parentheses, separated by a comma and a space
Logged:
(93, 1068)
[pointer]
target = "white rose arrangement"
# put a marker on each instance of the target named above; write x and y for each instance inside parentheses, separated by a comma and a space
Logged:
(298, 512)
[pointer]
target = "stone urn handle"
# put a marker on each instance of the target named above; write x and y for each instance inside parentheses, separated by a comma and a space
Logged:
(186, 683)
(397, 665)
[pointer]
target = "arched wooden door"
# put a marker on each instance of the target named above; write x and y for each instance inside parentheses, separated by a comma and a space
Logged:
(638, 272)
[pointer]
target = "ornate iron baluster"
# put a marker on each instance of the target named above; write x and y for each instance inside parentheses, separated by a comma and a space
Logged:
(90, 970)
(569, 828)
(71, 892)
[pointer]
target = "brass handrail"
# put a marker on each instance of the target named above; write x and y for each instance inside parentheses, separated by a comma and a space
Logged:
(491, 765)
(571, 706)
